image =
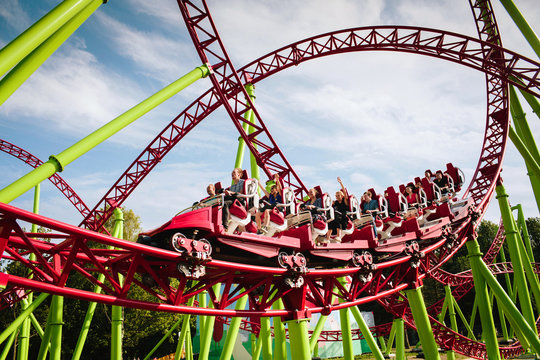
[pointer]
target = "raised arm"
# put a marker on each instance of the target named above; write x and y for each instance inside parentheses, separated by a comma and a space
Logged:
(278, 184)
(345, 193)
(263, 188)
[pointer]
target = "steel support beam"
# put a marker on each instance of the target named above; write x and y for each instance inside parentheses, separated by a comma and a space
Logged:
(423, 326)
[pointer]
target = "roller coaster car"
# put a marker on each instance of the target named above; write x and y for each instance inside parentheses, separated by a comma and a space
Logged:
(294, 234)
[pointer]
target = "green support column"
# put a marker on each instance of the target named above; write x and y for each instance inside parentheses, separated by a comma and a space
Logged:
(346, 331)
(280, 339)
(8, 346)
(232, 333)
(46, 339)
(400, 339)
(24, 336)
(510, 309)
(19, 320)
(463, 319)
(117, 316)
(450, 355)
(524, 134)
(524, 231)
(532, 101)
(391, 337)
(206, 337)
(254, 166)
(25, 43)
(58, 162)
(256, 347)
(185, 332)
(346, 334)
(56, 325)
(482, 297)
(85, 328)
(318, 329)
(368, 336)
(265, 336)
(163, 338)
(247, 116)
(522, 24)
(20, 73)
(510, 230)
(299, 339)
(423, 326)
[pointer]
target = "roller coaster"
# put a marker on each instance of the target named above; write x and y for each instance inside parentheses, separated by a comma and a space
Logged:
(290, 272)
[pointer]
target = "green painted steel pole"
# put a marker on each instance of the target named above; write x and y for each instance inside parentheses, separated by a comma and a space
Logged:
(532, 101)
(280, 338)
(189, 347)
(26, 42)
(442, 314)
(8, 346)
(473, 315)
(522, 126)
(46, 339)
(19, 320)
(450, 355)
(510, 308)
(169, 333)
(509, 287)
(511, 233)
(56, 324)
(232, 333)
(383, 343)
(318, 329)
(299, 339)
(523, 25)
(420, 315)
(185, 331)
(482, 297)
(24, 69)
(400, 339)
(368, 335)
(346, 334)
(524, 133)
(85, 328)
(247, 116)
(36, 325)
(265, 336)
(524, 151)
(502, 320)
(391, 338)
(346, 331)
(252, 119)
(117, 316)
(58, 162)
(463, 319)
(24, 336)
(524, 231)
(256, 350)
(206, 337)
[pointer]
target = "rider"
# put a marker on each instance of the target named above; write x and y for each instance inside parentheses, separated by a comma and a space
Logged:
(236, 188)
(274, 197)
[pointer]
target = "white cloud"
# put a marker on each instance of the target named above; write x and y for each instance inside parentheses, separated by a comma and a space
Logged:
(373, 119)
(13, 14)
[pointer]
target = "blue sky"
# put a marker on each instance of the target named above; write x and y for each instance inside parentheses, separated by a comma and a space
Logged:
(373, 119)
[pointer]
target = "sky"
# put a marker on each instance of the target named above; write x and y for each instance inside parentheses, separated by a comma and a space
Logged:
(373, 119)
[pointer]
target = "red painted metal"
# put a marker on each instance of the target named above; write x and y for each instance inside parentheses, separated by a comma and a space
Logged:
(444, 45)
(500, 66)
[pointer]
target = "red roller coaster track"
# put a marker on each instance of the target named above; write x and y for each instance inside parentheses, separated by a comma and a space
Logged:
(263, 285)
